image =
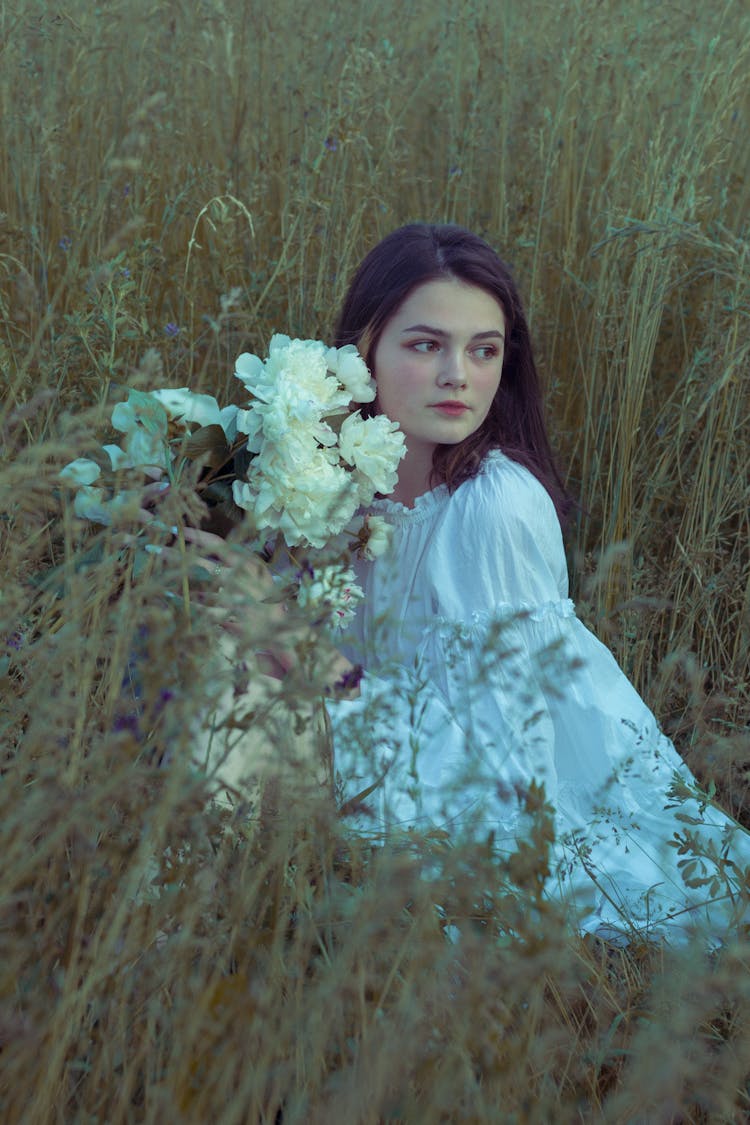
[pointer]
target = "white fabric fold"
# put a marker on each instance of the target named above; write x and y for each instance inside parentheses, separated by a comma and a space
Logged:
(480, 680)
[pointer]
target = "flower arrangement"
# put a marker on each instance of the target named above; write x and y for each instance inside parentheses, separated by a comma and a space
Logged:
(298, 460)
(315, 462)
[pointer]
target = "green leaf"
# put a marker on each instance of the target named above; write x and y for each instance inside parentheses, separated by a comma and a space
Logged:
(209, 442)
(153, 415)
(54, 578)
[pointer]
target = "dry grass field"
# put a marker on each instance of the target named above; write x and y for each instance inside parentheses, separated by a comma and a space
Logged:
(177, 182)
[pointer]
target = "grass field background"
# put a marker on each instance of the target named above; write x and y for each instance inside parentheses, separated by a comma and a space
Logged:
(176, 183)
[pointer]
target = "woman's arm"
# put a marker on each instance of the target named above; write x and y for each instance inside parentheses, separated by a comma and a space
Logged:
(225, 562)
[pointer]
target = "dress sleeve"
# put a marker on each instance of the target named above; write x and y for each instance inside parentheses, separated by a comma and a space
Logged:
(501, 548)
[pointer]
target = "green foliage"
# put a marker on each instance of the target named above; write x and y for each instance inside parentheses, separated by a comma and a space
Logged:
(176, 183)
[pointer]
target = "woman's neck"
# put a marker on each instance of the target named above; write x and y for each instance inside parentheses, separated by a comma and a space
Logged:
(413, 477)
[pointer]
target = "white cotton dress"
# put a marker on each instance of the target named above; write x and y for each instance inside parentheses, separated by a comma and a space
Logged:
(480, 679)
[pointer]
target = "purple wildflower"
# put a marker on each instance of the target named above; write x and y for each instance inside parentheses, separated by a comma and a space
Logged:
(128, 723)
(350, 679)
(305, 571)
(172, 329)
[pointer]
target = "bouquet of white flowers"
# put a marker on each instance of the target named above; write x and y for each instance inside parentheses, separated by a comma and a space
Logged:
(159, 429)
(314, 461)
(309, 459)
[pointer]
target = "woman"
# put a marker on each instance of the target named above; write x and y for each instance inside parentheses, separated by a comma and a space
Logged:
(480, 681)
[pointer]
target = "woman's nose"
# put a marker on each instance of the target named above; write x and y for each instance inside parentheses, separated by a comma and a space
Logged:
(452, 371)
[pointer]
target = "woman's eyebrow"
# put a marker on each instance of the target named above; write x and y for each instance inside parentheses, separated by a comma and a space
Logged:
(492, 334)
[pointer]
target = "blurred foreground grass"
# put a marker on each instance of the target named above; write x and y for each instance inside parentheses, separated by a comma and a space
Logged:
(188, 179)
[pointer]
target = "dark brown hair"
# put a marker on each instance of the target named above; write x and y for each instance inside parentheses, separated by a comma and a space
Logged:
(418, 253)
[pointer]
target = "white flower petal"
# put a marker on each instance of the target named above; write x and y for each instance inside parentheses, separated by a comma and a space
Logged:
(332, 590)
(82, 471)
(118, 457)
(228, 422)
(90, 504)
(374, 446)
(248, 368)
(352, 372)
(378, 537)
(124, 417)
(183, 404)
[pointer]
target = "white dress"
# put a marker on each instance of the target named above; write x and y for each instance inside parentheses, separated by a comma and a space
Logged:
(479, 680)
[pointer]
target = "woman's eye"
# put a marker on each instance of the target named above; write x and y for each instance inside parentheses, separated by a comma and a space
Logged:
(487, 351)
(425, 346)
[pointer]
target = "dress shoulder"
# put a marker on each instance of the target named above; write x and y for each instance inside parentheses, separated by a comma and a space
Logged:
(491, 546)
(503, 480)
(499, 541)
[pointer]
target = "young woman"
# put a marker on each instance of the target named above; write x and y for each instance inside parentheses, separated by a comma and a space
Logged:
(480, 681)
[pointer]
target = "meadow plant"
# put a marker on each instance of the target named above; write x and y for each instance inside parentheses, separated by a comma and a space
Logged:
(177, 184)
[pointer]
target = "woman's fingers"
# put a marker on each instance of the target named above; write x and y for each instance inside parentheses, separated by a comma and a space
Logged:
(206, 540)
(154, 491)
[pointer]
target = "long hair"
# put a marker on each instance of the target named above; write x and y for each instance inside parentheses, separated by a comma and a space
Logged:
(421, 252)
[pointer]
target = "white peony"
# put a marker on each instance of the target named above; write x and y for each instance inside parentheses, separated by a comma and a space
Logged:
(145, 418)
(299, 366)
(90, 504)
(305, 479)
(142, 450)
(300, 492)
(295, 417)
(303, 369)
(374, 537)
(250, 422)
(374, 446)
(351, 370)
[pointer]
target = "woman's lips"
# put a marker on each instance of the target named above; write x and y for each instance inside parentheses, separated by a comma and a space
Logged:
(452, 409)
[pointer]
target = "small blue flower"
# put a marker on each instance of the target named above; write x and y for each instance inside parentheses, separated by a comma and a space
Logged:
(65, 243)
(172, 329)
(331, 144)
(127, 723)
(125, 272)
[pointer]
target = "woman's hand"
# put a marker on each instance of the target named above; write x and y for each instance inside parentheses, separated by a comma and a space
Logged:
(224, 562)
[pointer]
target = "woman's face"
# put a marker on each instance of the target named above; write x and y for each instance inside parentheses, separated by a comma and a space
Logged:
(438, 361)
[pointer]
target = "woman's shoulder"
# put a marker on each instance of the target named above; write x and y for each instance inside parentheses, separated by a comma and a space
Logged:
(500, 485)
(501, 528)
(502, 480)
(507, 495)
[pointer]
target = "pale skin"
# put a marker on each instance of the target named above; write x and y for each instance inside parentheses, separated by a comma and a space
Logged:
(443, 345)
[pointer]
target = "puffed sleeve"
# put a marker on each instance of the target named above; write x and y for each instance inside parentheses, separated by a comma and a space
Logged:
(500, 549)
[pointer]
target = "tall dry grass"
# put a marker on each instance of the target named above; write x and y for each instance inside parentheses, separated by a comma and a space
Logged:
(189, 178)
